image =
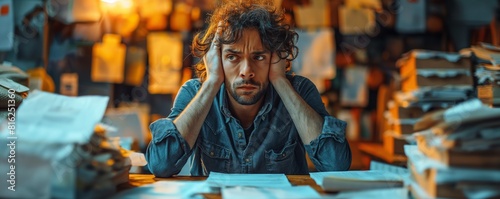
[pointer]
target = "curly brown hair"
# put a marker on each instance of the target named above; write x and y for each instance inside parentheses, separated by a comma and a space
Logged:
(276, 36)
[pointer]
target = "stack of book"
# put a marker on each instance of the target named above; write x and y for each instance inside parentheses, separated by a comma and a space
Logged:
(457, 153)
(430, 81)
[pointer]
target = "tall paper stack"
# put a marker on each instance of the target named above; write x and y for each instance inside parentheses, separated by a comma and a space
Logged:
(430, 81)
(457, 153)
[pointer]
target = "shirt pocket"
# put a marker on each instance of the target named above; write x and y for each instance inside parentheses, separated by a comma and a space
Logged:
(215, 157)
(281, 161)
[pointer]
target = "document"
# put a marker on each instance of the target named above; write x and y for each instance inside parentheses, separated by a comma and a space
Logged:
(316, 60)
(367, 175)
(401, 193)
(7, 21)
(108, 60)
(166, 190)
(165, 64)
(356, 180)
(74, 117)
(295, 192)
(216, 179)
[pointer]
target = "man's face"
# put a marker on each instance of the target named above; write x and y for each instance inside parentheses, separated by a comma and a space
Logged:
(246, 68)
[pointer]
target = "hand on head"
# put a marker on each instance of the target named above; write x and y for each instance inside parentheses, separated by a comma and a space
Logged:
(277, 67)
(213, 60)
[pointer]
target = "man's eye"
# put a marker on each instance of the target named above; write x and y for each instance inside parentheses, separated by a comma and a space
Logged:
(231, 57)
(259, 57)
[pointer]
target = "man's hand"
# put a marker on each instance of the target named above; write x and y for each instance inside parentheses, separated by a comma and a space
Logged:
(277, 68)
(212, 59)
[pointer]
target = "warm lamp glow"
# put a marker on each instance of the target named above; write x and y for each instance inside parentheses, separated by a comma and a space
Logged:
(109, 1)
(118, 6)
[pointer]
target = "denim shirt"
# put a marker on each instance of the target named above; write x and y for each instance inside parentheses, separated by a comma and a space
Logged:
(274, 145)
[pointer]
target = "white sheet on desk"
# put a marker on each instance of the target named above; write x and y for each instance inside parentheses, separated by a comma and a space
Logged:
(294, 192)
(137, 159)
(253, 180)
(401, 193)
(366, 175)
(166, 190)
(448, 174)
(55, 122)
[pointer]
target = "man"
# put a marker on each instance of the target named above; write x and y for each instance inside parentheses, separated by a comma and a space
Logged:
(245, 114)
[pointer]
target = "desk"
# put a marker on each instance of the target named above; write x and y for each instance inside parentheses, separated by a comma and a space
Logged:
(136, 180)
(377, 152)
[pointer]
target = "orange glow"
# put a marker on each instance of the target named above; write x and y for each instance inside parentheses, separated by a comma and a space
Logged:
(118, 6)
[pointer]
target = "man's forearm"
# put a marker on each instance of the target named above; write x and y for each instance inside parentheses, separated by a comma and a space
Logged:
(307, 121)
(189, 122)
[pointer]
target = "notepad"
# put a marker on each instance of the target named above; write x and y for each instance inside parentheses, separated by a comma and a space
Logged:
(358, 180)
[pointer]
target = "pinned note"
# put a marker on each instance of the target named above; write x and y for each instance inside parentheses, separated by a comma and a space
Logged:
(108, 60)
(7, 21)
(165, 62)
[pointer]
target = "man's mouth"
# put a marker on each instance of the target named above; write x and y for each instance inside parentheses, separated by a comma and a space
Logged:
(247, 87)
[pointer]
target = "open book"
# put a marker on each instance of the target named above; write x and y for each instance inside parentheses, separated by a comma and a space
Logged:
(358, 180)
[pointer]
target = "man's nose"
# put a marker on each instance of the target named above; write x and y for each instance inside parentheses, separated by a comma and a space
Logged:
(246, 70)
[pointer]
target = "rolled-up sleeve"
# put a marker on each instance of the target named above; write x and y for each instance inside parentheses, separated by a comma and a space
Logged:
(168, 151)
(330, 150)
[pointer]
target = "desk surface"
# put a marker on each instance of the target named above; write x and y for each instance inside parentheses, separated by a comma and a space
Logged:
(136, 180)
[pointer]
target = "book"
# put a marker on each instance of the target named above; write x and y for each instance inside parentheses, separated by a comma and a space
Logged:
(359, 180)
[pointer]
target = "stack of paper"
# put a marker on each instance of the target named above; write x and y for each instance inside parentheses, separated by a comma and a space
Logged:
(487, 73)
(357, 180)
(57, 152)
(457, 153)
(429, 69)
(429, 81)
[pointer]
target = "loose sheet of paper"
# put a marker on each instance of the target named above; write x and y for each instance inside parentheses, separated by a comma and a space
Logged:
(274, 193)
(253, 180)
(367, 175)
(166, 190)
(373, 194)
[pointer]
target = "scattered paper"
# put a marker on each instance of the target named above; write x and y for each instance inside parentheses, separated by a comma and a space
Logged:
(74, 117)
(401, 193)
(365, 175)
(294, 192)
(216, 179)
(137, 159)
(166, 190)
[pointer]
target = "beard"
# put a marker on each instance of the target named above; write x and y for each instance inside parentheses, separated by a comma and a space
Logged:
(247, 98)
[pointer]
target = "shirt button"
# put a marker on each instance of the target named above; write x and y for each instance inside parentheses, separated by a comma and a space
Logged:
(284, 154)
(240, 135)
(211, 153)
(247, 160)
